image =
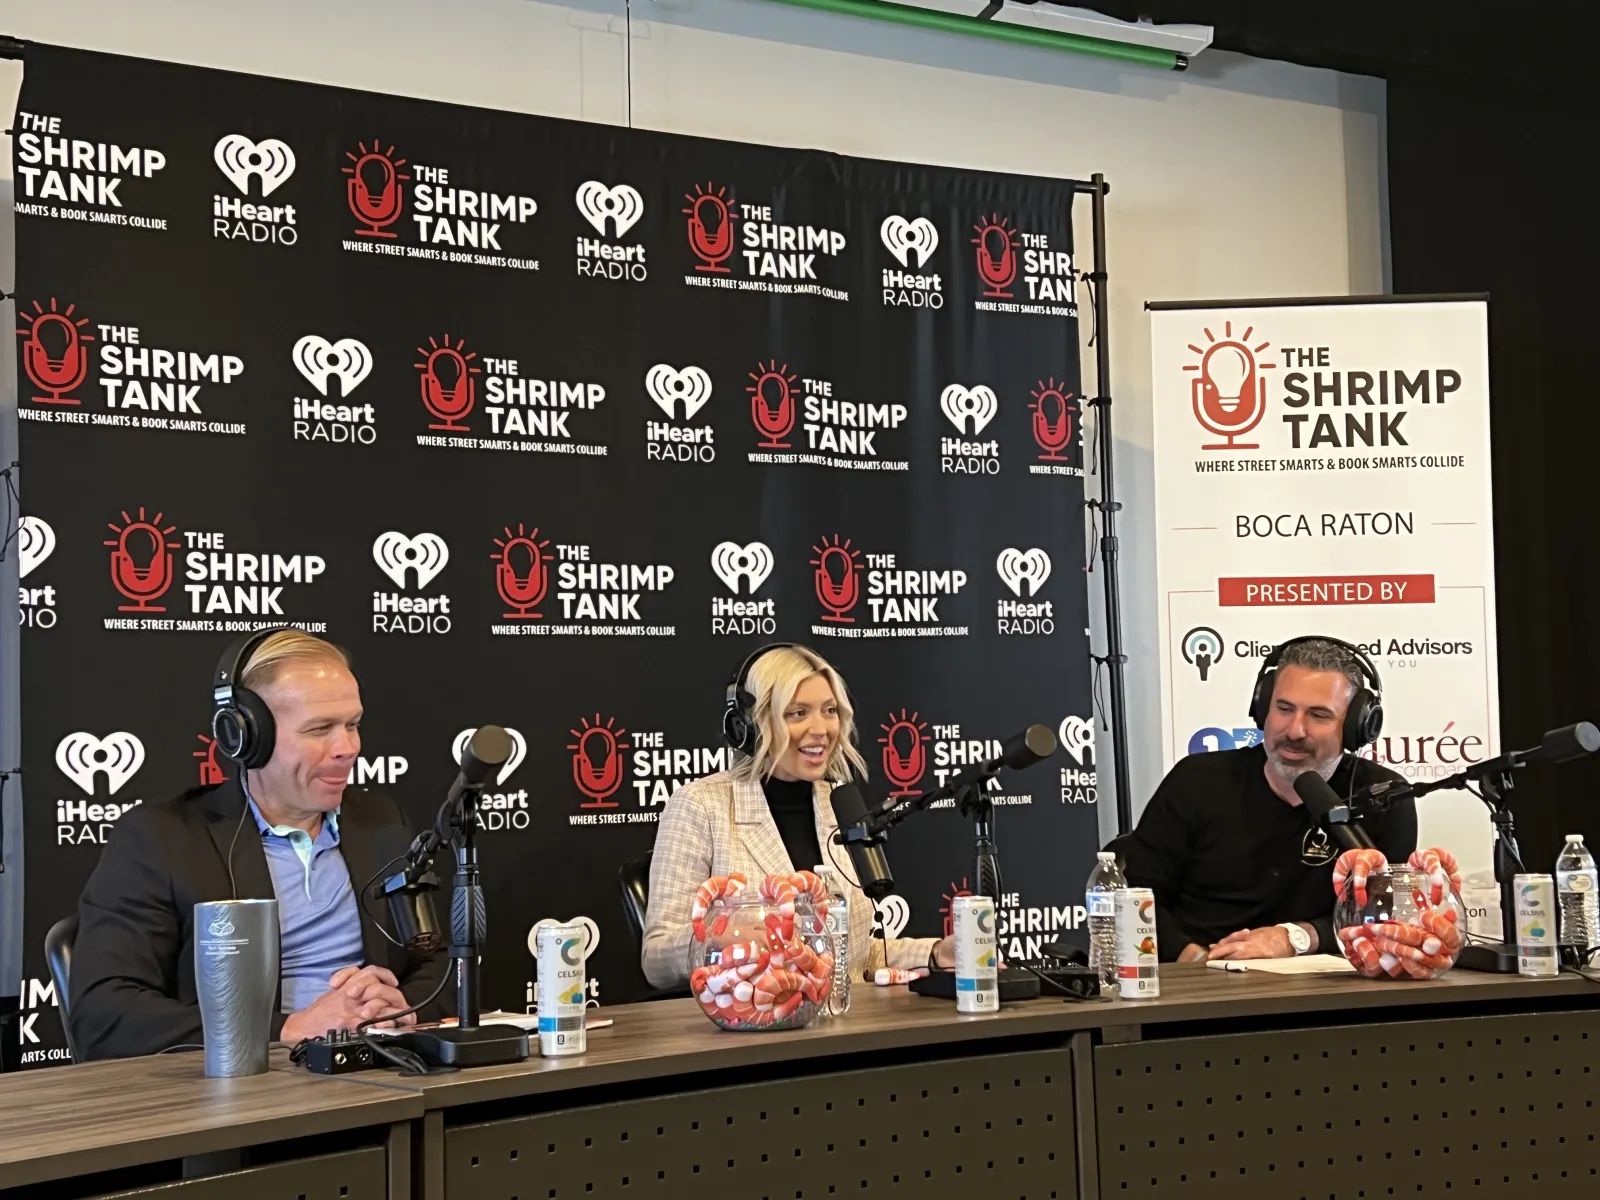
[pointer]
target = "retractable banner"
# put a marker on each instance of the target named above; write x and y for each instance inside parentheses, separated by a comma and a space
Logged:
(549, 424)
(1323, 467)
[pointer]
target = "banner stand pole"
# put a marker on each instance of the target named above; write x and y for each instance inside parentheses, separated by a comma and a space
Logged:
(1114, 659)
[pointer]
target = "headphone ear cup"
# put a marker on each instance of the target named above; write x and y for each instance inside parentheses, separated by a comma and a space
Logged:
(245, 730)
(1261, 698)
(1363, 721)
(227, 728)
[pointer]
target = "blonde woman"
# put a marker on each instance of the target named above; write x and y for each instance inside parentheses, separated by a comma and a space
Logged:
(790, 721)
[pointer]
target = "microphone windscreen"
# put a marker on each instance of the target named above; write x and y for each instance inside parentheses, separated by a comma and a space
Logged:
(486, 750)
(1032, 745)
(849, 805)
(1574, 741)
(1316, 795)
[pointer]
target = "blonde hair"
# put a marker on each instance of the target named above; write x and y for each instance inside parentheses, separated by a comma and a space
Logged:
(773, 680)
(284, 648)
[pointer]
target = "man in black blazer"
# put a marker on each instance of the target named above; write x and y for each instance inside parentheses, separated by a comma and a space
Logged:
(294, 831)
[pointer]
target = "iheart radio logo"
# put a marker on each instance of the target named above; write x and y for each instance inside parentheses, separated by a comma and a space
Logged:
(269, 160)
(519, 750)
(395, 554)
(82, 756)
(733, 562)
(597, 760)
(901, 237)
(905, 752)
(977, 403)
(53, 352)
(1018, 567)
(1077, 738)
(622, 204)
(320, 360)
(35, 541)
(668, 386)
(893, 914)
(141, 561)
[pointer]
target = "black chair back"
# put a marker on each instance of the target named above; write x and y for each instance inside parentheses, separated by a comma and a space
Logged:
(633, 878)
(58, 954)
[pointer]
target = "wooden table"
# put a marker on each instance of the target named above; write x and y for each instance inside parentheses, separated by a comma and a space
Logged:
(100, 1119)
(1230, 1084)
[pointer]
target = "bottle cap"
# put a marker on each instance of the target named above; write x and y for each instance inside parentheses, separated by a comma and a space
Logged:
(1106, 855)
(1574, 837)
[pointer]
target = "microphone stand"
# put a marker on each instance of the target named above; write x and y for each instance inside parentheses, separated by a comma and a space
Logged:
(468, 1044)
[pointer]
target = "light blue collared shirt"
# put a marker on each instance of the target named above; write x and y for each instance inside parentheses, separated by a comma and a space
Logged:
(318, 922)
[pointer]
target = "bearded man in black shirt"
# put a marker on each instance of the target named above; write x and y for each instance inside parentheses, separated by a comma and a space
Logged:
(1239, 868)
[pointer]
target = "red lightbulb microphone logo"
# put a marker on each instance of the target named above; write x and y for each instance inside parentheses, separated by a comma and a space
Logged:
(448, 389)
(956, 891)
(838, 570)
(1052, 419)
(53, 353)
(141, 561)
(597, 760)
(210, 769)
(772, 403)
(373, 191)
(905, 754)
(996, 244)
(710, 227)
(1228, 392)
(523, 576)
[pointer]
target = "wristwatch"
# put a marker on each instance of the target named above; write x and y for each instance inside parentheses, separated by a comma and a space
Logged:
(1298, 937)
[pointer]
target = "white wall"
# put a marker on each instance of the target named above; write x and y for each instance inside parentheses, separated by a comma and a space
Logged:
(1239, 178)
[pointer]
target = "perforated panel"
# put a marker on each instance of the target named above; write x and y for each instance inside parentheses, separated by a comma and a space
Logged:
(352, 1175)
(1473, 1106)
(1000, 1128)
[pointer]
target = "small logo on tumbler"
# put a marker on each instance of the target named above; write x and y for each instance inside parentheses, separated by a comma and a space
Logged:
(221, 927)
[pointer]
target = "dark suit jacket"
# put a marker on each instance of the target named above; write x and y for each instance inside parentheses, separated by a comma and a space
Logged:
(132, 984)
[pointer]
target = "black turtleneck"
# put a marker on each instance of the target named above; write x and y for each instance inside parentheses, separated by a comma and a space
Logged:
(790, 802)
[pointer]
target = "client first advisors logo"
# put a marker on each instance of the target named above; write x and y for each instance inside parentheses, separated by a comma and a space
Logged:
(256, 169)
(66, 176)
(1202, 649)
(446, 222)
(1024, 572)
(517, 407)
(99, 767)
(411, 562)
(832, 431)
(594, 598)
(220, 589)
(502, 808)
(901, 602)
(680, 393)
(911, 284)
(612, 210)
(743, 569)
(1020, 272)
(745, 247)
(37, 600)
(143, 386)
(335, 369)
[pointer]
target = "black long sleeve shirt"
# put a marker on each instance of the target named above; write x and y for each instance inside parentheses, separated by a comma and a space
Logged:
(1224, 852)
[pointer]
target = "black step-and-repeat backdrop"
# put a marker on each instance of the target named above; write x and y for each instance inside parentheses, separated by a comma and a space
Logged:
(549, 424)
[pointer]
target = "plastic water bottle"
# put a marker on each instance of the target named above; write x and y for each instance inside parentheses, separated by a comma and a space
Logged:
(1578, 890)
(838, 933)
(1100, 899)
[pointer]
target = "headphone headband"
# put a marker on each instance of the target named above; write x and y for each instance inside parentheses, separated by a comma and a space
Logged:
(1356, 652)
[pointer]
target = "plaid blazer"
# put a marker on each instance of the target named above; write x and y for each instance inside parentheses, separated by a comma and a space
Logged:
(718, 825)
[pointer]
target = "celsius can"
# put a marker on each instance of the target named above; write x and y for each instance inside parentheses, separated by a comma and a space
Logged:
(1537, 953)
(562, 988)
(1138, 975)
(977, 974)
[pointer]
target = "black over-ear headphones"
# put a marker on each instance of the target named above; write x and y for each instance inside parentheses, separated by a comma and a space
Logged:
(738, 725)
(1363, 720)
(241, 722)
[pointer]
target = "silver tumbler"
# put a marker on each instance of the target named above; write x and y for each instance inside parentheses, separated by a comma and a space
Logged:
(236, 976)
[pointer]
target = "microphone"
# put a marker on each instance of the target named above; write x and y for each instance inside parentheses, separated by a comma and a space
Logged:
(1565, 744)
(409, 890)
(485, 753)
(1332, 813)
(1034, 744)
(866, 851)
